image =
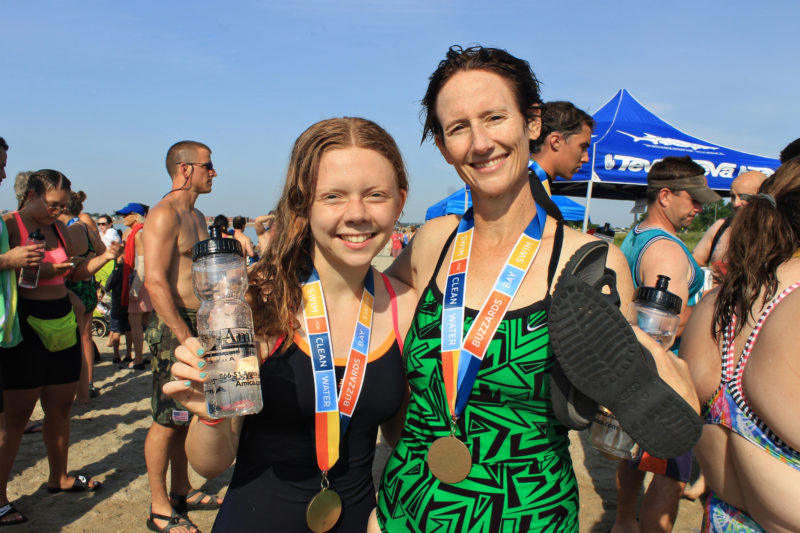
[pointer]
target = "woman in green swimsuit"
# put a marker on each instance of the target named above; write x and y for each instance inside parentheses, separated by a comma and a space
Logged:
(482, 111)
(481, 449)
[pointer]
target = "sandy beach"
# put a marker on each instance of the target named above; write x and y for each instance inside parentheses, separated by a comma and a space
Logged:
(107, 442)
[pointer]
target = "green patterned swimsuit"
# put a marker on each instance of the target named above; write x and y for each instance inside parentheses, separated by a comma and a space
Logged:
(521, 477)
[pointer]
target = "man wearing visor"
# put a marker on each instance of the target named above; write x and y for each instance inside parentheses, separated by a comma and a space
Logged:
(676, 192)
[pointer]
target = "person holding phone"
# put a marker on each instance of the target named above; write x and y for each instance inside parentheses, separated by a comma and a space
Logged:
(46, 365)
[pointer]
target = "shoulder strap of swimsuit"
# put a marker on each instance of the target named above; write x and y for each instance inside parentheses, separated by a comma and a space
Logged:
(90, 248)
(444, 252)
(23, 231)
(60, 237)
(278, 343)
(555, 255)
(718, 236)
(751, 339)
(393, 301)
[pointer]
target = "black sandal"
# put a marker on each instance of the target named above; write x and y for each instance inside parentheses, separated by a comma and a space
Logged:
(600, 355)
(8, 509)
(183, 505)
(173, 521)
(570, 406)
(82, 483)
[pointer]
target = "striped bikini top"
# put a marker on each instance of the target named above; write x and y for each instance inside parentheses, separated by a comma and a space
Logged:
(728, 406)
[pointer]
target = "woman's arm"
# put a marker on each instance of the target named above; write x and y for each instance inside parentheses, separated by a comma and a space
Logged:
(261, 222)
(19, 256)
(415, 264)
(86, 269)
(406, 299)
(210, 449)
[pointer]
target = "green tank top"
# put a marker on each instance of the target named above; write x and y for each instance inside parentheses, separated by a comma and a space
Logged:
(521, 477)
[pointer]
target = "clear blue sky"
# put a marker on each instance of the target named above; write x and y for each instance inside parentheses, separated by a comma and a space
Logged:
(100, 90)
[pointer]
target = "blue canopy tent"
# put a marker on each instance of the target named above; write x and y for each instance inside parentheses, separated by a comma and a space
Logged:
(454, 204)
(628, 139)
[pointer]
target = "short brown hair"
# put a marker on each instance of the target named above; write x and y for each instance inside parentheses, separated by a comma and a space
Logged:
(670, 168)
(181, 152)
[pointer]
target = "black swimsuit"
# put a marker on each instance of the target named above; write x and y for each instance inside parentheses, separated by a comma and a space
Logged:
(276, 473)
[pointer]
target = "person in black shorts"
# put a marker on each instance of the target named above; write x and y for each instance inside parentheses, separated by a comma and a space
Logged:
(118, 319)
(46, 365)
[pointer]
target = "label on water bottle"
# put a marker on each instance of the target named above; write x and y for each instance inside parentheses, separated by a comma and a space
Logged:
(233, 386)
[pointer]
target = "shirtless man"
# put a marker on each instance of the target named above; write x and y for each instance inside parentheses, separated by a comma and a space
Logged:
(263, 227)
(171, 230)
(713, 247)
(238, 234)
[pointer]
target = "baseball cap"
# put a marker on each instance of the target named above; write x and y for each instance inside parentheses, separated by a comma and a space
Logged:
(132, 208)
(696, 186)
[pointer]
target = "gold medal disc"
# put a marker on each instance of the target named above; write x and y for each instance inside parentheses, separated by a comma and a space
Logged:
(449, 459)
(323, 511)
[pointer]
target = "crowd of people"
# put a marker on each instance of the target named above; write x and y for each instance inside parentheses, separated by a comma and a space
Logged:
(490, 336)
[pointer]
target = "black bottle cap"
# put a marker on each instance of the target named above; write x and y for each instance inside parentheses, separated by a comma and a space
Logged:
(659, 296)
(36, 235)
(216, 244)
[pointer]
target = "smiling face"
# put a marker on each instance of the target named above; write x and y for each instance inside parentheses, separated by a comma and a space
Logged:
(484, 134)
(356, 203)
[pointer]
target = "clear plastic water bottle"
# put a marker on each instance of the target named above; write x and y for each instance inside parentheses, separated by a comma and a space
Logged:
(29, 275)
(225, 327)
(607, 436)
(656, 311)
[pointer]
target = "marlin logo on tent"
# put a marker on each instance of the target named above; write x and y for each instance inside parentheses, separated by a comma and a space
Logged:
(667, 141)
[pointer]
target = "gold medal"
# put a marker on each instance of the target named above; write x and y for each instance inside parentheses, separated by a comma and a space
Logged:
(323, 511)
(449, 459)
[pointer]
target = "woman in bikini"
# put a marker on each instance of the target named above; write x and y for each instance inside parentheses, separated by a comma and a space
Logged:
(345, 189)
(46, 365)
(741, 345)
(87, 239)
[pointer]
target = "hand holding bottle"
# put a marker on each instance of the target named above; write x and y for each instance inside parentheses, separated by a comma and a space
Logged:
(29, 255)
(189, 377)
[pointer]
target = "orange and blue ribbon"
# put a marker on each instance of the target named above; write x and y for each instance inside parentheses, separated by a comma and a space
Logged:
(334, 409)
(462, 355)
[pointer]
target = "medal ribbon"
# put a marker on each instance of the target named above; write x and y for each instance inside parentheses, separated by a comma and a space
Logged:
(461, 359)
(534, 167)
(333, 410)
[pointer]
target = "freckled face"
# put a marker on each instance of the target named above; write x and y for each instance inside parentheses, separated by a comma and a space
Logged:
(356, 204)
